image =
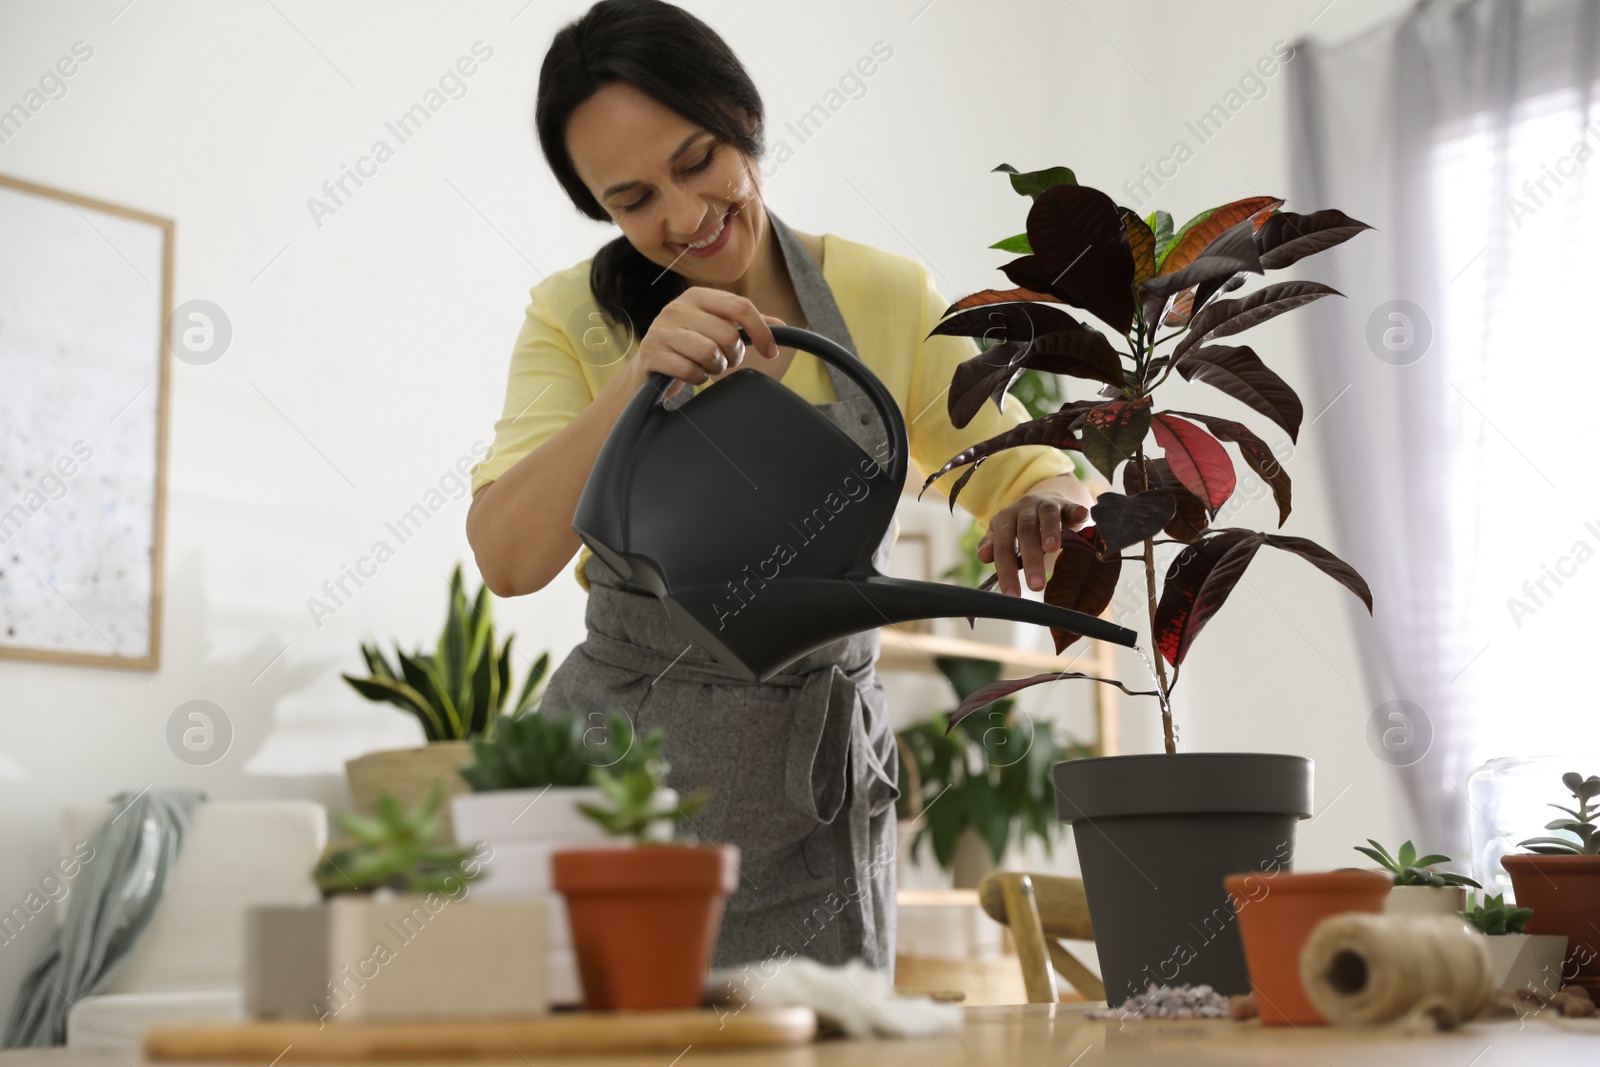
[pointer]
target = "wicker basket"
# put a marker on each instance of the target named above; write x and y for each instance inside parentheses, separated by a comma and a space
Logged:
(408, 774)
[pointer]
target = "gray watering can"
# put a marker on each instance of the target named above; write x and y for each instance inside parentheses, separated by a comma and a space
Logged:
(754, 518)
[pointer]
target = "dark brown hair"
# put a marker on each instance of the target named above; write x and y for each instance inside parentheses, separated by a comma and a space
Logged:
(670, 55)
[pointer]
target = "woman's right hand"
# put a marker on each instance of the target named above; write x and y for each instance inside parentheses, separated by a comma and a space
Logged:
(695, 338)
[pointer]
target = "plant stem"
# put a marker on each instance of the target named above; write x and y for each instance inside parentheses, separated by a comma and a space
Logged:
(1163, 690)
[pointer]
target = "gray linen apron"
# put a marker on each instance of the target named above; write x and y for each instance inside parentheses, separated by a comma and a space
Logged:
(802, 767)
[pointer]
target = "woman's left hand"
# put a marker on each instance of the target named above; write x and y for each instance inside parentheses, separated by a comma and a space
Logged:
(1032, 525)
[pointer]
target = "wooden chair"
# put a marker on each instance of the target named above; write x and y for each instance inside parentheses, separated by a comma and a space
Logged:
(1039, 908)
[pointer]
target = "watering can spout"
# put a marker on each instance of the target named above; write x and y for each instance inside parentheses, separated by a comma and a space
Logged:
(770, 627)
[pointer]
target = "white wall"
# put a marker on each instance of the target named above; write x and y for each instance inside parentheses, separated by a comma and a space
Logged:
(369, 352)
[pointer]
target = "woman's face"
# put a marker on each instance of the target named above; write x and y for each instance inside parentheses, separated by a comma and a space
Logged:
(668, 184)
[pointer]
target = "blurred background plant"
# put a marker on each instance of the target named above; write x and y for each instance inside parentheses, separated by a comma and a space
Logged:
(534, 751)
(460, 690)
(990, 775)
(397, 849)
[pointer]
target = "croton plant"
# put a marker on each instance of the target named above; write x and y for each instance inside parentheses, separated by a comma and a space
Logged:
(1162, 291)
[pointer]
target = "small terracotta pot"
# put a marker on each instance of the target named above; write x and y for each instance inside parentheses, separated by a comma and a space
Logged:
(645, 920)
(1564, 893)
(1276, 916)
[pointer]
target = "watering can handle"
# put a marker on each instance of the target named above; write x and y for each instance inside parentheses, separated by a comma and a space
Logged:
(830, 351)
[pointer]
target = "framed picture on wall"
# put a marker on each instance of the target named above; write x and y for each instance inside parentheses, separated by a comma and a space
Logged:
(85, 299)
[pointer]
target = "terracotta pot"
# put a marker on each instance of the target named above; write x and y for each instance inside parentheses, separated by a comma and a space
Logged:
(645, 920)
(408, 774)
(1276, 916)
(1564, 893)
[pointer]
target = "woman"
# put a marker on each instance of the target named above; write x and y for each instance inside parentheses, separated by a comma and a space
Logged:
(648, 120)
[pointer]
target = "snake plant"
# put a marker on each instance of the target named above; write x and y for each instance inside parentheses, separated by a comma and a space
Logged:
(460, 691)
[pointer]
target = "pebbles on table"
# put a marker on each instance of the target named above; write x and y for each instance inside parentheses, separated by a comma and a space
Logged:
(1169, 1002)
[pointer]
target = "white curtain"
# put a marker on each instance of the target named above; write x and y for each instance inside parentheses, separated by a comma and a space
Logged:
(1463, 380)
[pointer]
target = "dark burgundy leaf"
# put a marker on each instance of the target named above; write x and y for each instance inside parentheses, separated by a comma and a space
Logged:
(1221, 318)
(1203, 293)
(1113, 432)
(1018, 321)
(1081, 581)
(1239, 372)
(1126, 520)
(1200, 463)
(1256, 454)
(1190, 518)
(1052, 429)
(1326, 562)
(1080, 253)
(988, 694)
(1197, 584)
(1287, 238)
(996, 296)
(1080, 352)
(961, 483)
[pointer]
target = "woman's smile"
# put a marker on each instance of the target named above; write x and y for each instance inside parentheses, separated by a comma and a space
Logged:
(713, 242)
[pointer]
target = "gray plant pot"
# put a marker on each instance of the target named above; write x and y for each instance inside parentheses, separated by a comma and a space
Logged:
(1156, 835)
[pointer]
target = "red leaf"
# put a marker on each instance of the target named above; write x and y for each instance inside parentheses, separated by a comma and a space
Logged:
(1256, 454)
(1197, 585)
(1199, 461)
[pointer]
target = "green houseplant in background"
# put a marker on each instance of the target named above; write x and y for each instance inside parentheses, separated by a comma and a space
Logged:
(1418, 889)
(457, 692)
(533, 781)
(396, 911)
(978, 789)
(1559, 878)
(644, 917)
(1177, 821)
(1517, 959)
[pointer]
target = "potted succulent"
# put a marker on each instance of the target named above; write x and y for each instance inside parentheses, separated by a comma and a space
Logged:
(1517, 959)
(396, 935)
(1418, 888)
(990, 776)
(1559, 878)
(644, 918)
(529, 778)
(457, 692)
(1155, 834)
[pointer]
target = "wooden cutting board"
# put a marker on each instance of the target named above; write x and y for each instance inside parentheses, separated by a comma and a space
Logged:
(268, 1041)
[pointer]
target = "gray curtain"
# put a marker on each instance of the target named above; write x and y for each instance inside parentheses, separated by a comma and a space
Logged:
(1367, 119)
(117, 894)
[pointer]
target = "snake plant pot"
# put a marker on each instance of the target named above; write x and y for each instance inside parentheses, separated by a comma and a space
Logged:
(1156, 835)
(645, 920)
(1448, 900)
(1564, 893)
(1277, 914)
(522, 827)
(1526, 961)
(388, 956)
(409, 774)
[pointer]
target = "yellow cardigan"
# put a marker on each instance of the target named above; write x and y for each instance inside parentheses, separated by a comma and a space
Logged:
(565, 354)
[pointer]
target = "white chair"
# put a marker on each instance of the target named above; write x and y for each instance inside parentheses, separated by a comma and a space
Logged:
(190, 962)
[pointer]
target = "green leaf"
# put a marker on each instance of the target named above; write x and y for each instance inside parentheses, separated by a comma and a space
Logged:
(403, 696)
(1033, 182)
(1160, 223)
(1018, 244)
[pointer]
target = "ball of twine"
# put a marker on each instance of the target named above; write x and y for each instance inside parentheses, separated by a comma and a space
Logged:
(1362, 968)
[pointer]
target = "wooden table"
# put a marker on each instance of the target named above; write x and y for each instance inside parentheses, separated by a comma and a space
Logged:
(1063, 1037)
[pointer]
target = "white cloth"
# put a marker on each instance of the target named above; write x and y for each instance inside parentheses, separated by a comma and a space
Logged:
(853, 998)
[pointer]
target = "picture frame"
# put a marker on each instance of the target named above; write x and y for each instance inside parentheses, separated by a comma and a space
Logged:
(85, 372)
